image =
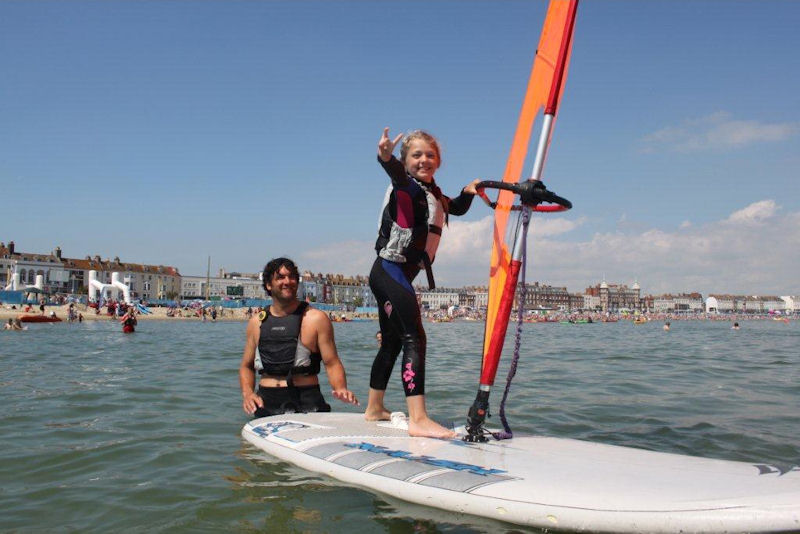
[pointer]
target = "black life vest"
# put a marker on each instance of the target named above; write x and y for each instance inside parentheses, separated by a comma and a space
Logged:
(280, 350)
(416, 245)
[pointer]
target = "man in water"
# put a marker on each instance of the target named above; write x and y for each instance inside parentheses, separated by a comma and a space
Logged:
(292, 340)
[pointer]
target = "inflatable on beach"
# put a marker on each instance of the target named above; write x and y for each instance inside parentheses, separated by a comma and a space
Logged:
(98, 290)
(35, 318)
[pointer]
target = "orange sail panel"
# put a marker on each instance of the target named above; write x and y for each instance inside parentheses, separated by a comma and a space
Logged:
(544, 87)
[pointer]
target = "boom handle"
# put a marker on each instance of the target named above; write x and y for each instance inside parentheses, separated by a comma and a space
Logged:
(532, 193)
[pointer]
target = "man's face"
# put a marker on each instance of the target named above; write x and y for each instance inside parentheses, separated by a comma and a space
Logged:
(283, 285)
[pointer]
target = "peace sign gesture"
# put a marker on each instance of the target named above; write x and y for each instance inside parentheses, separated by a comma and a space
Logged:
(386, 145)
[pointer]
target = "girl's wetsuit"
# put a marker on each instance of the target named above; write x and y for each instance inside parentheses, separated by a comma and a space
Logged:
(410, 228)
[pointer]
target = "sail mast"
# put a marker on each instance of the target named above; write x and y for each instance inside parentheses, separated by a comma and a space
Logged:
(556, 88)
(545, 86)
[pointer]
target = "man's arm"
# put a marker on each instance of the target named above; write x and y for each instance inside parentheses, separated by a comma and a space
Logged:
(247, 371)
(333, 365)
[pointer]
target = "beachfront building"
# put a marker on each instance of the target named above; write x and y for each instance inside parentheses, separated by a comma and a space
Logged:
(791, 303)
(542, 296)
(591, 302)
(689, 303)
(71, 275)
(227, 285)
(683, 303)
(481, 297)
(720, 304)
(351, 291)
(745, 304)
(616, 297)
(575, 301)
(439, 298)
(466, 299)
(647, 304)
(311, 289)
(475, 297)
(752, 304)
(29, 265)
(338, 289)
(662, 304)
(770, 303)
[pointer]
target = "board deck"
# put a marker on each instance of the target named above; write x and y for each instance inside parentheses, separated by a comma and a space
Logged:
(540, 481)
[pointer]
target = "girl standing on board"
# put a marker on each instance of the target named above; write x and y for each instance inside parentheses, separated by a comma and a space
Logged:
(414, 212)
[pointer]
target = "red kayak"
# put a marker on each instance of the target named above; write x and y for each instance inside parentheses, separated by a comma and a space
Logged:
(32, 318)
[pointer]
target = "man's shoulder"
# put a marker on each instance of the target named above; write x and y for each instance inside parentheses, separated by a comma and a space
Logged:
(311, 311)
(316, 316)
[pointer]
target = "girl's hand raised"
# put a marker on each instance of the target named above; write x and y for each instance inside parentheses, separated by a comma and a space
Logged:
(386, 145)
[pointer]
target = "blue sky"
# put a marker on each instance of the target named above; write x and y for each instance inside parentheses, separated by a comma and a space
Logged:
(165, 132)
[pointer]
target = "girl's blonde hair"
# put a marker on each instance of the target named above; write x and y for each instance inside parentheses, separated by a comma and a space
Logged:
(425, 136)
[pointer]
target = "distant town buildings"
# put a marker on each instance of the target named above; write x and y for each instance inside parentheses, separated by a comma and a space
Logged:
(751, 304)
(225, 285)
(615, 298)
(70, 275)
(683, 303)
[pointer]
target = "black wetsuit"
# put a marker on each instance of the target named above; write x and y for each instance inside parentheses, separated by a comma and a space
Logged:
(405, 233)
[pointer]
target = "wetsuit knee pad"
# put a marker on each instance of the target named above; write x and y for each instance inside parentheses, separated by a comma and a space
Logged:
(413, 371)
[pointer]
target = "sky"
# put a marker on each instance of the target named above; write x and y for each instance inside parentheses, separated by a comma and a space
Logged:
(165, 132)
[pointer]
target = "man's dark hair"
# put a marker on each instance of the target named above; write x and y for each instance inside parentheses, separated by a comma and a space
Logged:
(274, 266)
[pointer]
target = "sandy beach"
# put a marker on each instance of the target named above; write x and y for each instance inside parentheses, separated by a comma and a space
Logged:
(157, 314)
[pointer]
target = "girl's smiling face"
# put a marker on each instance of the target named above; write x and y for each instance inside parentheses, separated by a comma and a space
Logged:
(422, 160)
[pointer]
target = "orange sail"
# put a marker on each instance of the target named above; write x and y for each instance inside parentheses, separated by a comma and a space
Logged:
(544, 89)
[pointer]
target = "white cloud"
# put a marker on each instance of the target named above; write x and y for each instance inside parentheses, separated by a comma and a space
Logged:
(347, 257)
(754, 250)
(754, 213)
(716, 131)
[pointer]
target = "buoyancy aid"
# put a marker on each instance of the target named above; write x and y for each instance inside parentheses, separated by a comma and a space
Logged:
(280, 351)
(411, 225)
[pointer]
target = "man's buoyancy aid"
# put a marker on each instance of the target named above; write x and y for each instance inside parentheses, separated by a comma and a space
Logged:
(280, 351)
(411, 225)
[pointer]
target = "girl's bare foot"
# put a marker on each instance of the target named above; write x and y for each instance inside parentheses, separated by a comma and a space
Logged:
(376, 411)
(377, 414)
(429, 428)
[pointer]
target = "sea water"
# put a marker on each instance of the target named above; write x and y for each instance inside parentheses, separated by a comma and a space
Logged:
(103, 431)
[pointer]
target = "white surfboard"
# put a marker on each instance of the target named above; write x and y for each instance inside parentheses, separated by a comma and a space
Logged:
(539, 481)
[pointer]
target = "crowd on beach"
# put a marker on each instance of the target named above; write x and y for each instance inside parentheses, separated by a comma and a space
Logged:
(72, 310)
(555, 316)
